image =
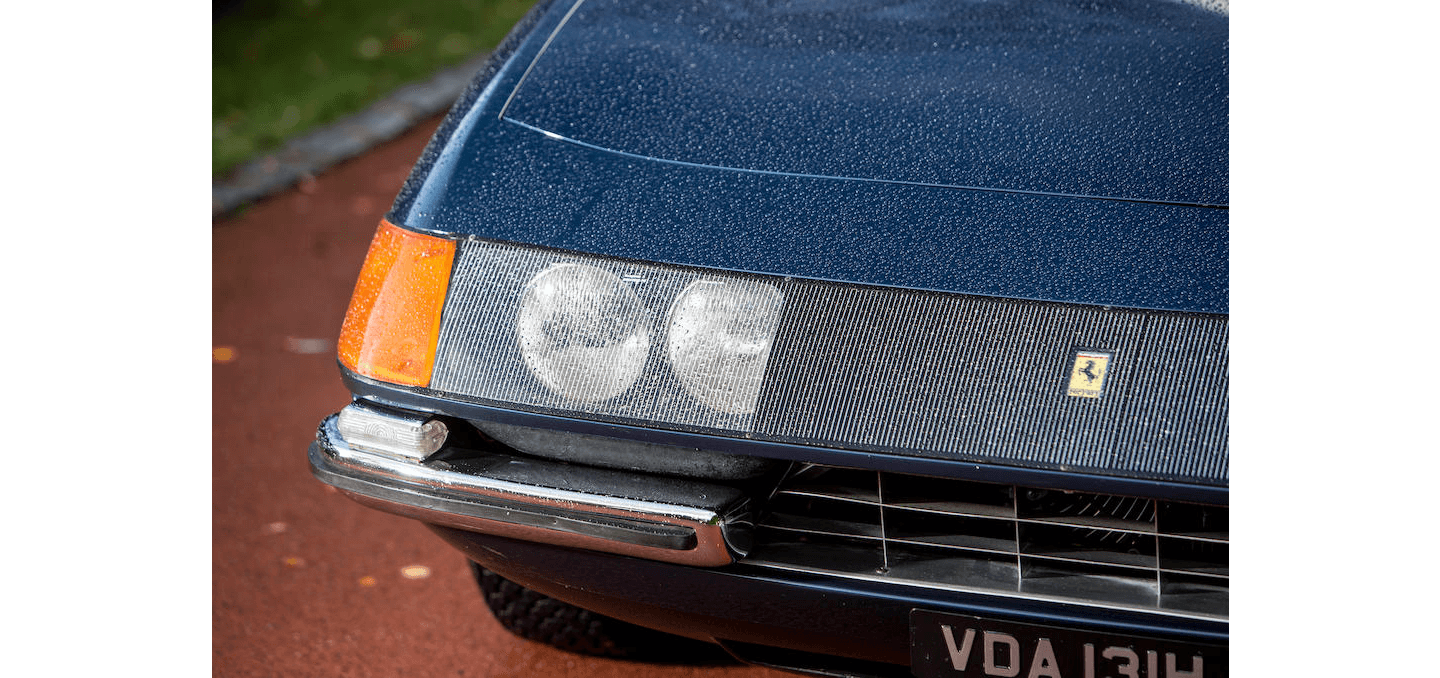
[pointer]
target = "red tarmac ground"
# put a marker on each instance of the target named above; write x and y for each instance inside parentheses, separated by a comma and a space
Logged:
(307, 582)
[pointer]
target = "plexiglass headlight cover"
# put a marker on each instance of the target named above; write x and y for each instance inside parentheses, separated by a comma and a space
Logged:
(875, 369)
(606, 337)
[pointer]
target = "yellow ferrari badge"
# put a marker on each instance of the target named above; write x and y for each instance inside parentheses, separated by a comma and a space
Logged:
(1087, 375)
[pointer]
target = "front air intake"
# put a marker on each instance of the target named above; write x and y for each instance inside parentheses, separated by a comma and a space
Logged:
(1105, 550)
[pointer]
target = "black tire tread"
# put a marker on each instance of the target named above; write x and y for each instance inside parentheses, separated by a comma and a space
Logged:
(538, 617)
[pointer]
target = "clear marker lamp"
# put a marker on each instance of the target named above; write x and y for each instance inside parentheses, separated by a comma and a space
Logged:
(406, 435)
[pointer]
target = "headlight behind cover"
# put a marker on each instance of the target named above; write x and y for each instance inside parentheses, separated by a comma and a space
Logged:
(890, 370)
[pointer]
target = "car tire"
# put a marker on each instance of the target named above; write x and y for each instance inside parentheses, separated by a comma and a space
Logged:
(538, 617)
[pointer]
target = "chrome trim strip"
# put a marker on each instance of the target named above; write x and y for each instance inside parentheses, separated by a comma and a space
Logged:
(551, 38)
(690, 535)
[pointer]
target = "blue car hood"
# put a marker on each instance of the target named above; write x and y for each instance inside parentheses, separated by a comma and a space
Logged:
(1072, 152)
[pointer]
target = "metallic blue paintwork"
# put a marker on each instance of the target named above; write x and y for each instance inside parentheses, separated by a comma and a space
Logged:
(1116, 98)
(498, 178)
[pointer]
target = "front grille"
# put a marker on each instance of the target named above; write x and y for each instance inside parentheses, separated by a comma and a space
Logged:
(1096, 549)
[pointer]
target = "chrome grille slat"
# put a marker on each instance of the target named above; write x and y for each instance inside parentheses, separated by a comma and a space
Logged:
(1212, 537)
(1217, 574)
(1097, 558)
(1111, 524)
(838, 494)
(1104, 550)
(959, 543)
(955, 508)
(809, 525)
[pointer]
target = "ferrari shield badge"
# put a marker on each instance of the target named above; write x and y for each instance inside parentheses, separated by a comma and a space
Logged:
(1087, 374)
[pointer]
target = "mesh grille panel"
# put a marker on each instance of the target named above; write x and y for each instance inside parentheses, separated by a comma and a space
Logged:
(985, 379)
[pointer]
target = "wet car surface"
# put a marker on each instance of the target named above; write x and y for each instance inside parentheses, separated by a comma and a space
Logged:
(767, 393)
(306, 582)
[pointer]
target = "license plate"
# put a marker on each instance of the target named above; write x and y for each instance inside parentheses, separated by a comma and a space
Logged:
(951, 645)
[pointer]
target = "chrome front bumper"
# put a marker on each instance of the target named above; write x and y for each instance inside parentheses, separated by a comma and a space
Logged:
(665, 519)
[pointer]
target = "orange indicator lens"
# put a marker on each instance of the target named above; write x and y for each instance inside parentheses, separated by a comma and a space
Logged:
(393, 323)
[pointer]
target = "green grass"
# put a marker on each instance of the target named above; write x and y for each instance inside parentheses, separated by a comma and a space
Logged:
(283, 68)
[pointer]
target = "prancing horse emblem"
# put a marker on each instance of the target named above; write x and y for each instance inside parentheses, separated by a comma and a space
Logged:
(1087, 374)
